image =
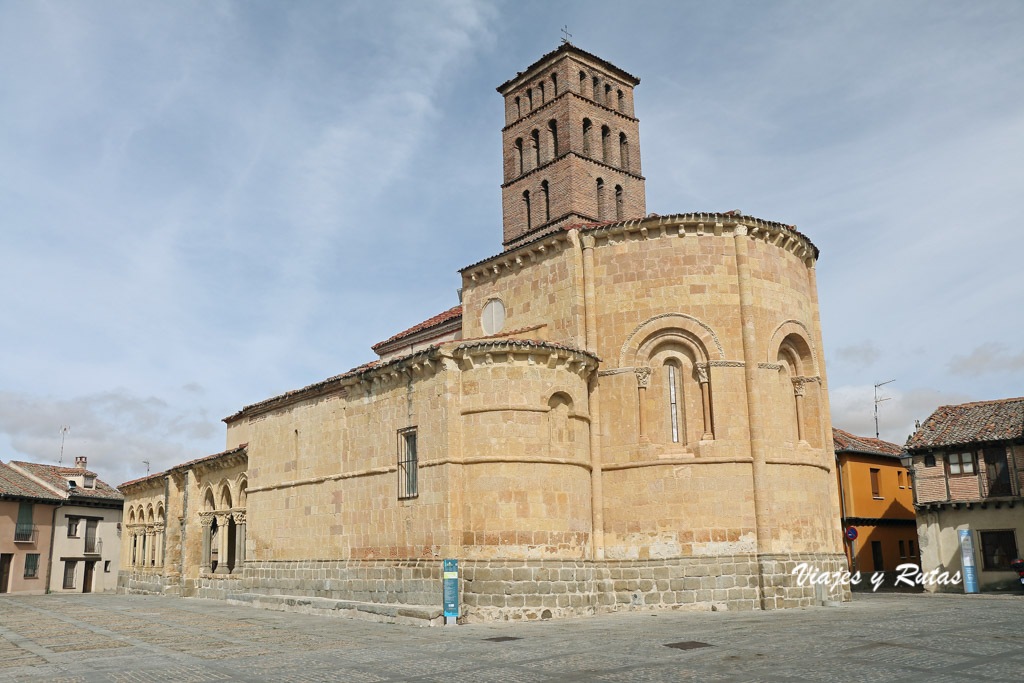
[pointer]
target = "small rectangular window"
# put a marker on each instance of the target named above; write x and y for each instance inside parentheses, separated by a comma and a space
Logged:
(899, 479)
(913, 549)
(73, 527)
(408, 464)
(876, 489)
(954, 463)
(967, 462)
(69, 574)
(998, 549)
(31, 565)
(903, 550)
(106, 566)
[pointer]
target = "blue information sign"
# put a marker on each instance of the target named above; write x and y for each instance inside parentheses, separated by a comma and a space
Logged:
(451, 588)
(967, 560)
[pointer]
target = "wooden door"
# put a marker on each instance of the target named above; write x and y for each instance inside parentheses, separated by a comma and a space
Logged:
(5, 571)
(90, 568)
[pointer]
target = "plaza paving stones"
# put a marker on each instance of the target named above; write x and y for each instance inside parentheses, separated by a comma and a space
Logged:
(891, 637)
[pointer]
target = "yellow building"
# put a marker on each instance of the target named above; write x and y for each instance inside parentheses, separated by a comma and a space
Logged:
(878, 501)
(621, 414)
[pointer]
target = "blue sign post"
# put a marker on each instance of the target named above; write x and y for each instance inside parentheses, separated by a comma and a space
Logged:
(967, 560)
(451, 591)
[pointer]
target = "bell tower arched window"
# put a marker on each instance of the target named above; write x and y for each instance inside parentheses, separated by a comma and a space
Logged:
(519, 156)
(595, 90)
(606, 144)
(587, 131)
(618, 203)
(553, 134)
(526, 205)
(554, 84)
(547, 201)
(535, 147)
(540, 87)
(622, 102)
(623, 152)
(600, 200)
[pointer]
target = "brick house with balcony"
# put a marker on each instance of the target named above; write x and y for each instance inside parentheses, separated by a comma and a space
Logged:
(877, 500)
(968, 468)
(26, 520)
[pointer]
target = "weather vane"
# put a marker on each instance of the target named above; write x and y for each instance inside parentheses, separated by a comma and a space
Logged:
(565, 32)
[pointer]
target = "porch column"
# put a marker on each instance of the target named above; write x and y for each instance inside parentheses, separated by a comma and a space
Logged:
(206, 520)
(158, 538)
(643, 376)
(223, 521)
(239, 518)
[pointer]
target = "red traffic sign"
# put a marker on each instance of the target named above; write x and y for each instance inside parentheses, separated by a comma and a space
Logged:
(851, 533)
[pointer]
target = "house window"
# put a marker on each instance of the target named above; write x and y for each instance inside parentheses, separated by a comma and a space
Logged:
(998, 472)
(69, 573)
(408, 463)
(998, 549)
(31, 565)
(73, 527)
(961, 463)
(899, 479)
(929, 461)
(673, 403)
(876, 490)
(24, 529)
(913, 550)
(90, 482)
(106, 566)
(493, 318)
(903, 550)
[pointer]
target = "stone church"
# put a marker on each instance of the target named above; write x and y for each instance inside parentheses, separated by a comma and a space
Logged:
(627, 411)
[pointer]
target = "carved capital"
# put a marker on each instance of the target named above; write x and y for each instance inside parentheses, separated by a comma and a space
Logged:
(239, 517)
(223, 518)
(206, 518)
(739, 230)
(798, 386)
(643, 376)
(588, 241)
(158, 528)
(702, 373)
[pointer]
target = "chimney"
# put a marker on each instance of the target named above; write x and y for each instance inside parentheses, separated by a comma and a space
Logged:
(80, 461)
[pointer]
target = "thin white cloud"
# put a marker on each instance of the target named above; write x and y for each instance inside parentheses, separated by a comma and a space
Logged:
(987, 358)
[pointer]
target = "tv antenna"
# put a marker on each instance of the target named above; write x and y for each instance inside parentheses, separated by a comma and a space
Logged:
(64, 429)
(566, 35)
(880, 400)
(146, 463)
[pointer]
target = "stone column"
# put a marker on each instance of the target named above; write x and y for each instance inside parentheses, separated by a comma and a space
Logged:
(158, 538)
(594, 402)
(755, 416)
(223, 520)
(798, 393)
(643, 376)
(206, 520)
(239, 518)
(705, 400)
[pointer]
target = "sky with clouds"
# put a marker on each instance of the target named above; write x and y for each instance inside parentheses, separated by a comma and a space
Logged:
(205, 204)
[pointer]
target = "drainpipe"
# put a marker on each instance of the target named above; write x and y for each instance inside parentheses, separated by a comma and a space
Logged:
(49, 560)
(842, 510)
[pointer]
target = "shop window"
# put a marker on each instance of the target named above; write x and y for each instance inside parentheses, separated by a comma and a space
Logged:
(998, 549)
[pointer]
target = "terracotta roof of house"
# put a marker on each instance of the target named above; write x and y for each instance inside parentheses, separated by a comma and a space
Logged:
(185, 465)
(845, 442)
(569, 47)
(14, 484)
(57, 477)
(448, 316)
(979, 422)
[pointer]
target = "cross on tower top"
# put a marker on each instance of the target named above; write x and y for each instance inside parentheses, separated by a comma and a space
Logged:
(566, 34)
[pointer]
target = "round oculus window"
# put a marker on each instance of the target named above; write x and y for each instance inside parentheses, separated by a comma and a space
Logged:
(493, 318)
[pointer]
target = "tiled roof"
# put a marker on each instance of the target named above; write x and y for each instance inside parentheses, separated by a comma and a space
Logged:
(448, 316)
(569, 47)
(14, 484)
(58, 478)
(186, 465)
(966, 423)
(846, 442)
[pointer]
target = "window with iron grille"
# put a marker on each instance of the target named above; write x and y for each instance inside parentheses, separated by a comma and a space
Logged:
(407, 463)
(31, 565)
(24, 529)
(69, 573)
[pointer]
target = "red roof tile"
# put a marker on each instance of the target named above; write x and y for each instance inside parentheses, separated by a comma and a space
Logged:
(185, 465)
(14, 484)
(448, 316)
(845, 442)
(979, 422)
(58, 478)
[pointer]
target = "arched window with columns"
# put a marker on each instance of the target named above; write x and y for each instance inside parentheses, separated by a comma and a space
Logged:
(561, 436)
(535, 147)
(588, 128)
(601, 211)
(623, 152)
(518, 154)
(606, 144)
(797, 406)
(553, 138)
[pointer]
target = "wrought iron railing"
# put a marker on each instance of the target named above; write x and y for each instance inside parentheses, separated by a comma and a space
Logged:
(25, 533)
(93, 546)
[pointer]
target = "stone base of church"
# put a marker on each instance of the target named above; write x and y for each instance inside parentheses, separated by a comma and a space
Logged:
(506, 590)
(147, 582)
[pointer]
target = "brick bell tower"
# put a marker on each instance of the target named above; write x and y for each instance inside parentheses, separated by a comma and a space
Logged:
(571, 146)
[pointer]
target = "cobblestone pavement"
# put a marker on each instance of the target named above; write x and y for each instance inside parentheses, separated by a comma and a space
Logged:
(877, 637)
